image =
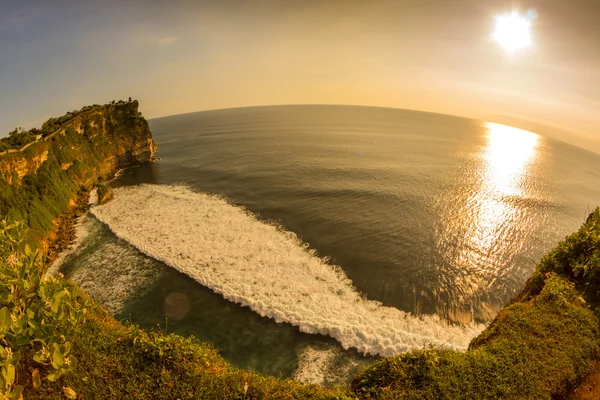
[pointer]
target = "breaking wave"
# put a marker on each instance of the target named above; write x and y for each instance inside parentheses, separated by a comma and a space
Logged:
(110, 272)
(266, 268)
(327, 365)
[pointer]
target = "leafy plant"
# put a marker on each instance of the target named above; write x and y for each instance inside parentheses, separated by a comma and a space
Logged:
(38, 315)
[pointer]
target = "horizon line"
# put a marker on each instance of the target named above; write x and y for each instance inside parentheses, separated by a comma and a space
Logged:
(545, 135)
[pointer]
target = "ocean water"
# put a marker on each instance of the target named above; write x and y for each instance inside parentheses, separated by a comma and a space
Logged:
(285, 235)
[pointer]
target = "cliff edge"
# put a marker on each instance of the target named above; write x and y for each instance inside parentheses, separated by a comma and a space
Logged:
(44, 169)
(104, 138)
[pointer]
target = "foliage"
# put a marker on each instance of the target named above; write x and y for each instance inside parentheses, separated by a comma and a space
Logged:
(38, 317)
(56, 343)
(17, 139)
(38, 199)
(118, 361)
(74, 160)
(577, 258)
(539, 347)
(20, 137)
(534, 350)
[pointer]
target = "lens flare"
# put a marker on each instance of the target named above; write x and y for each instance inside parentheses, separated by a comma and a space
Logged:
(512, 31)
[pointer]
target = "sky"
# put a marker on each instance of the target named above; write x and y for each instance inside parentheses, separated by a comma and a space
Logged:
(184, 56)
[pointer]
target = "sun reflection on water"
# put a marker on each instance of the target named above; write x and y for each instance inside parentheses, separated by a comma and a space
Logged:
(509, 151)
(478, 239)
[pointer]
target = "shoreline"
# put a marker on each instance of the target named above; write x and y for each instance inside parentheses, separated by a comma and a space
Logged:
(64, 236)
(60, 241)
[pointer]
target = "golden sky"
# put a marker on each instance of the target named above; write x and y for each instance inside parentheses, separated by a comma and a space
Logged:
(185, 56)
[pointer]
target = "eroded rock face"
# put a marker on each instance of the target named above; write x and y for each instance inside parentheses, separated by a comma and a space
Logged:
(141, 151)
(15, 165)
(93, 144)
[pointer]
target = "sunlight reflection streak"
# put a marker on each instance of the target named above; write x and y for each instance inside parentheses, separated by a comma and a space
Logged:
(478, 238)
(508, 154)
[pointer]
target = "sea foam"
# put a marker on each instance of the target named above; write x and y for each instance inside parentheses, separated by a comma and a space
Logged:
(266, 268)
(111, 272)
(327, 365)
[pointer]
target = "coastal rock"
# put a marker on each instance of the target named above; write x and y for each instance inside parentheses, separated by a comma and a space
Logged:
(103, 139)
(43, 181)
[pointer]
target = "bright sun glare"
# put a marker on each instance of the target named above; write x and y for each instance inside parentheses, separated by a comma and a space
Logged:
(512, 31)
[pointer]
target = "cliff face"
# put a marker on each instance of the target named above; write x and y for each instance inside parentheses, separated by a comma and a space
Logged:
(42, 179)
(15, 165)
(93, 144)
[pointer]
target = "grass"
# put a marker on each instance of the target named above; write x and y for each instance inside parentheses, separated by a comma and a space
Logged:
(533, 350)
(539, 347)
(125, 362)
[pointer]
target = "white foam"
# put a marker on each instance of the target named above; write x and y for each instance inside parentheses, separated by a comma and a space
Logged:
(327, 365)
(259, 265)
(113, 273)
(313, 364)
(81, 233)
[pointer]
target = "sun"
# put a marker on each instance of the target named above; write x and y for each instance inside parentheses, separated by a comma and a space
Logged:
(512, 31)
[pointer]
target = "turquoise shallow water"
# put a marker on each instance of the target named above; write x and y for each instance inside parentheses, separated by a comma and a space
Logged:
(426, 213)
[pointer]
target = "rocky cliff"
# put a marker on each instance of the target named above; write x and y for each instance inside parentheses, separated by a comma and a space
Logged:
(106, 138)
(42, 179)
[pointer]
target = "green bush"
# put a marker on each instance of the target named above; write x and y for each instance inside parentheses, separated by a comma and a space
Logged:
(539, 347)
(38, 316)
(38, 199)
(74, 160)
(578, 259)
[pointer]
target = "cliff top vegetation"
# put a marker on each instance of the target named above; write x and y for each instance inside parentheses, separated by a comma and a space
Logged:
(40, 182)
(19, 137)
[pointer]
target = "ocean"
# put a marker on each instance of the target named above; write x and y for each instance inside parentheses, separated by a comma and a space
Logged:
(307, 240)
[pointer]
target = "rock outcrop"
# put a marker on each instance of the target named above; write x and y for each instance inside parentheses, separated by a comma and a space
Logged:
(95, 143)
(41, 180)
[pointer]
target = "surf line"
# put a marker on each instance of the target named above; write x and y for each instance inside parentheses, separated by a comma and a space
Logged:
(266, 268)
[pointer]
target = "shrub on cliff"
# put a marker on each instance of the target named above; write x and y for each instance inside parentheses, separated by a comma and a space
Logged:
(577, 258)
(539, 347)
(38, 317)
(38, 199)
(17, 138)
(102, 137)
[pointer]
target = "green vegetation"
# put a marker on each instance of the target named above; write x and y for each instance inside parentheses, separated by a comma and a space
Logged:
(39, 198)
(20, 137)
(577, 259)
(38, 317)
(126, 362)
(38, 184)
(49, 328)
(539, 347)
(56, 343)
